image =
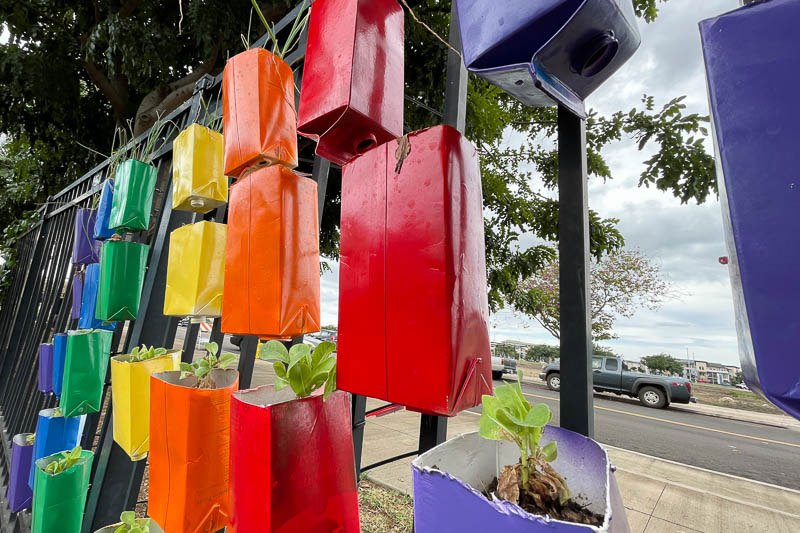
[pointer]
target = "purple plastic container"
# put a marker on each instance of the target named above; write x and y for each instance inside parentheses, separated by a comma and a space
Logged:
(445, 498)
(46, 368)
(77, 293)
(85, 250)
(19, 494)
(547, 52)
(752, 70)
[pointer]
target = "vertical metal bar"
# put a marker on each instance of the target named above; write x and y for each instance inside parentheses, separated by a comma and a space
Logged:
(247, 360)
(358, 406)
(189, 342)
(320, 174)
(574, 278)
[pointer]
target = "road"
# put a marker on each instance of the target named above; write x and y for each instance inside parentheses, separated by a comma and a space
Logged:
(754, 451)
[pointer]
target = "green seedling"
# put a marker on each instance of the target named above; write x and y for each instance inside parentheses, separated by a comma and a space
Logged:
(30, 438)
(300, 368)
(67, 461)
(202, 369)
(144, 353)
(294, 34)
(213, 119)
(131, 524)
(57, 412)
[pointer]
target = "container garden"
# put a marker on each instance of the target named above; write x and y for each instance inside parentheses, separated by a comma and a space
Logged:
(198, 181)
(260, 121)
(272, 256)
(196, 270)
(751, 68)
(291, 463)
(101, 229)
(19, 494)
(408, 237)
(547, 52)
(122, 268)
(85, 371)
(54, 433)
(77, 293)
(59, 358)
(130, 389)
(85, 250)
(352, 97)
(131, 523)
(87, 318)
(46, 368)
(132, 201)
(189, 442)
(59, 499)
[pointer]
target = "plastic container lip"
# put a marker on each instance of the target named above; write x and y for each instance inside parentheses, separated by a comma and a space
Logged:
(222, 379)
(267, 396)
(21, 439)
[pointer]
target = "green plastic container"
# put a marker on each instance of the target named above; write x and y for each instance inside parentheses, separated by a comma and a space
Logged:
(88, 352)
(122, 269)
(133, 196)
(59, 500)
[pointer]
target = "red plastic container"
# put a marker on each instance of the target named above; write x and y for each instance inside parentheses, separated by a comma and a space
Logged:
(352, 97)
(413, 266)
(291, 463)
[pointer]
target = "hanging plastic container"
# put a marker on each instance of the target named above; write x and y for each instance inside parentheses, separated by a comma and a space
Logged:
(198, 181)
(189, 442)
(19, 494)
(59, 358)
(352, 97)
(101, 229)
(272, 256)
(54, 434)
(196, 270)
(85, 250)
(130, 389)
(260, 121)
(77, 294)
(292, 463)
(132, 201)
(87, 319)
(449, 481)
(59, 499)
(85, 371)
(408, 238)
(46, 368)
(751, 66)
(547, 52)
(122, 268)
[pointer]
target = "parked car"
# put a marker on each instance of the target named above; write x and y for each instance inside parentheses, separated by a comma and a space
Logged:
(610, 374)
(742, 386)
(503, 365)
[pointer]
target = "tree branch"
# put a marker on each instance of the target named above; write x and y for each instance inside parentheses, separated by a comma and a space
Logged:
(104, 84)
(128, 9)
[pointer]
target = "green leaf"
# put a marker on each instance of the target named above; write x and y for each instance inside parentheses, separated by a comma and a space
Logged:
(550, 452)
(160, 351)
(280, 369)
(299, 352)
(280, 383)
(324, 366)
(274, 350)
(128, 518)
(121, 529)
(226, 359)
(330, 385)
(300, 378)
(539, 416)
(186, 367)
(211, 347)
(323, 350)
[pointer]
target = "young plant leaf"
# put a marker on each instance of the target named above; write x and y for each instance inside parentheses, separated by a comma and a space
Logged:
(330, 385)
(550, 452)
(274, 351)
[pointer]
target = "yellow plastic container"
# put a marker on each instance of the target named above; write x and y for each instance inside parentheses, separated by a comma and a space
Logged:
(130, 390)
(196, 270)
(198, 181)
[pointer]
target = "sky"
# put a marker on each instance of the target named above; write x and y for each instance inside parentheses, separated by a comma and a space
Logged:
(685, 240)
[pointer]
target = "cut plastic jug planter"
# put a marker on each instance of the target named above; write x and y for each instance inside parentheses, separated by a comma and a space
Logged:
(291, 463)
(85, 371)
(54, 434)
(59, 500)
(198, 181)
(189, 443)
(101, 229)
(77, 293)
(751, 65)
(46, 368)
(352, 97)
(59, 358)
(260, 121)
(122, 269)
(130, 387)
(413, 259)
(19, 494)
(113, 527)
(196, 270)
(272, 256)
(547, 52)
(449, 480)
(87, 318)
(133, 196)
(85, 250)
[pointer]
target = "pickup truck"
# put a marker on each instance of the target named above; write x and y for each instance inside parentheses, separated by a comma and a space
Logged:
(610, 374)
(503, 365)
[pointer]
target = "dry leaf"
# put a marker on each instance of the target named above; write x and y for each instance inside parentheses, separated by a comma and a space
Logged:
(403, 151)
(508, 484)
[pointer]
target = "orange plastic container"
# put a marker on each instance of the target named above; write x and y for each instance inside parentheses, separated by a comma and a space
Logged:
(189, 443)
(272, 256)
(260, 121)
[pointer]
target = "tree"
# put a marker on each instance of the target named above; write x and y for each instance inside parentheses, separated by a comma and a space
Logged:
(622, 282)
(505, 350)
(663, 363)
(737, 378)
(602, 350)
(542, 352)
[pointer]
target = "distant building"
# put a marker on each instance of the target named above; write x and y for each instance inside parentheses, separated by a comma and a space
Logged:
(520, 348)
(709, 372)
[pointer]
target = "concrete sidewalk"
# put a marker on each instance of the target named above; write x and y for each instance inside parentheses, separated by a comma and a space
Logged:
(659, 495)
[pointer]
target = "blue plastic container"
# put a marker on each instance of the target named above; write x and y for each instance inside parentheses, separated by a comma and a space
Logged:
(547, 52)
(54, 434)
(752, 69)
(101, 229)
(59, 356)
(89, 301)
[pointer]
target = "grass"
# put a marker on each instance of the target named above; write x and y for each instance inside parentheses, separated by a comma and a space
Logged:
(733, 398)
(384, 510)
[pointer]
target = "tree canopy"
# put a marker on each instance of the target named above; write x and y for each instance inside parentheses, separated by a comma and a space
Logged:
(663, 363)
